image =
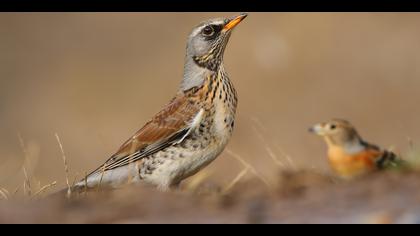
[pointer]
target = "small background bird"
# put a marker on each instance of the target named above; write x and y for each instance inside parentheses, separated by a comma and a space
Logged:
(191, 130)
(348, 154)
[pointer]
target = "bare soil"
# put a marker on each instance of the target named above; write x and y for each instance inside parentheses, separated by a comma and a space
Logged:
(299, 197)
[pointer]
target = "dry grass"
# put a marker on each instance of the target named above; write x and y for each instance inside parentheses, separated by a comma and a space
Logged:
(32, 189)
(248, 167)
(260, 131)
(66, 167)
(102, 177)
(27, 188)
(235, 180)
(198, 179)
(4, 194)
(44, 189)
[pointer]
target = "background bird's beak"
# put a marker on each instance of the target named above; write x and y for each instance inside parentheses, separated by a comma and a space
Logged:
(317, 129)
(234, 22)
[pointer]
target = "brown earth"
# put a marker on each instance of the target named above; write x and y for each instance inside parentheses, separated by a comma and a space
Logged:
(299, 197)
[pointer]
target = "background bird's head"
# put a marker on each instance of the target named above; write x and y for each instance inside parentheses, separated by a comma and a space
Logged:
(337, 132)
(207, 42)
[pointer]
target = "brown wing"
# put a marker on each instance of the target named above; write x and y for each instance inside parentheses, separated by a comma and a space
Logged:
(167, 127)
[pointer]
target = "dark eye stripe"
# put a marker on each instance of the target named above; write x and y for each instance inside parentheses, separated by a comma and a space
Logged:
(217, 28)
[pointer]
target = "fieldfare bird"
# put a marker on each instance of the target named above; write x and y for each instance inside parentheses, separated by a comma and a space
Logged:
(191, 130)
(348, 154)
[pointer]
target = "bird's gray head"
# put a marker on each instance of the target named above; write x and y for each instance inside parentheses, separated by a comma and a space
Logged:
(207, 42)
(205, 47)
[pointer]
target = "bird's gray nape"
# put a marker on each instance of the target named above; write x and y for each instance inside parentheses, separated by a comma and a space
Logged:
(194, 75)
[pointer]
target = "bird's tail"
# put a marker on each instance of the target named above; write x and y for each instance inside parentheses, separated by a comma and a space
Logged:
(390, 160)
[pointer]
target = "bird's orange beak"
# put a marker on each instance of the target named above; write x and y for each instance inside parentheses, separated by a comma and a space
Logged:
(234, 22)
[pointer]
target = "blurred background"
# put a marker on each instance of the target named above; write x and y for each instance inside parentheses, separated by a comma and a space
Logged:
(96, 78)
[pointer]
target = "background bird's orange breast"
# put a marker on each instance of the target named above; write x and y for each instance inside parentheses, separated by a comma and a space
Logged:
(352, 165)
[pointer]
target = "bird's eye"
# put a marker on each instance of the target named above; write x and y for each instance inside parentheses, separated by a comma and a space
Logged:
(208, 31)
(333, 127)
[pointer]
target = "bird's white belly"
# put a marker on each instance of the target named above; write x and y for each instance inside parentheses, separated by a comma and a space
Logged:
(172, 171)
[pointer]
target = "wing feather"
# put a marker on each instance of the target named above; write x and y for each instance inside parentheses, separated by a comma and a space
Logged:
(168, 127)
